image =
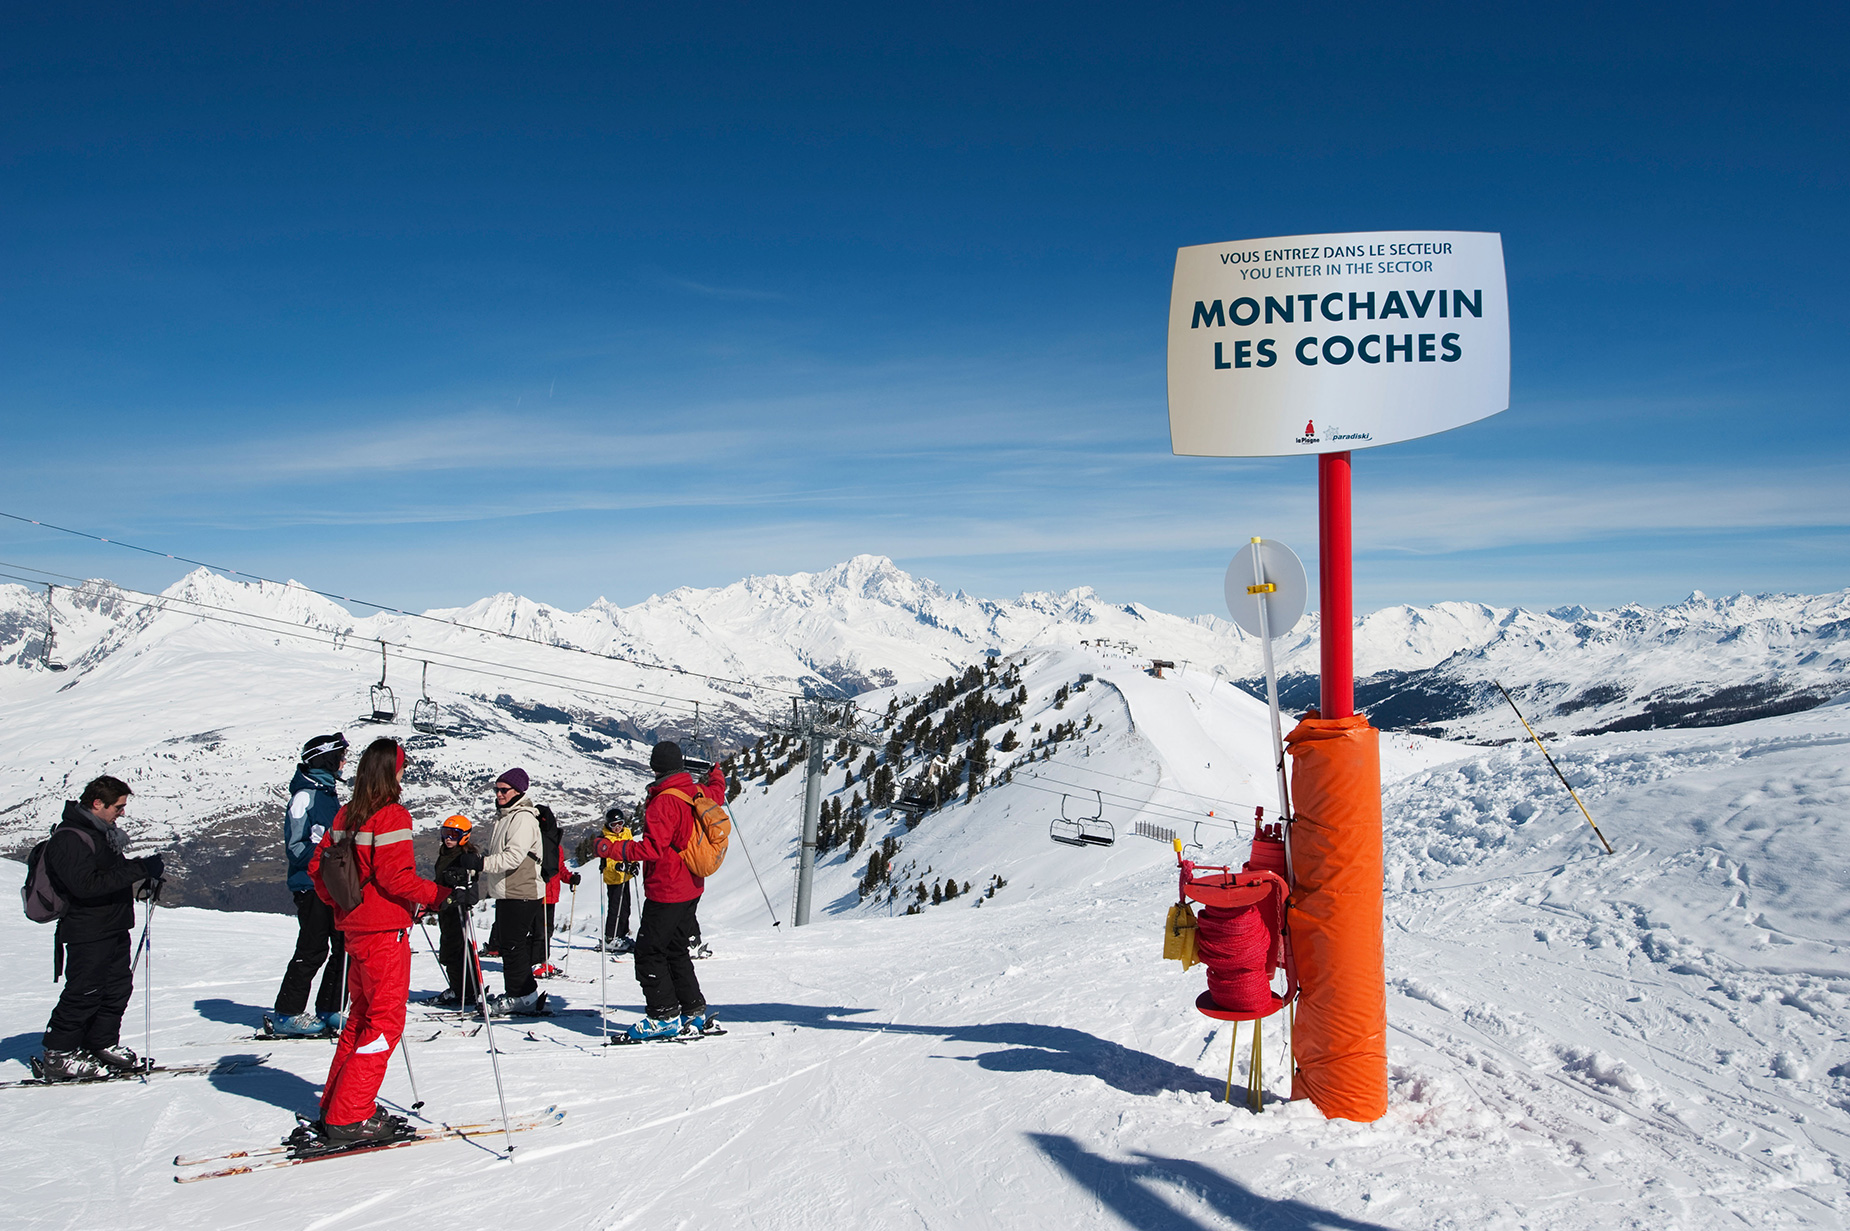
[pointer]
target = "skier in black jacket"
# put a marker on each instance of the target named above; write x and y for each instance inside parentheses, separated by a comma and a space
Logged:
(84, 857)
(312, 806)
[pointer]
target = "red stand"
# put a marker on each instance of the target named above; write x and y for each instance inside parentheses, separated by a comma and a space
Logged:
(1336, 585)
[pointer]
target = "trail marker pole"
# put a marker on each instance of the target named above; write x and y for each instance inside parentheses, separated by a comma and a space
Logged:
(1335, 586)
(1556, 768)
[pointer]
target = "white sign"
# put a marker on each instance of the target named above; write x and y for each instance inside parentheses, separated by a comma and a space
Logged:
(1321, 343)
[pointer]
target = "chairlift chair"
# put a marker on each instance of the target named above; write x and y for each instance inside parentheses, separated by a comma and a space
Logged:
(1092, 830)
(426, 716)
(385, 705)
(697, 751)
(51, 659)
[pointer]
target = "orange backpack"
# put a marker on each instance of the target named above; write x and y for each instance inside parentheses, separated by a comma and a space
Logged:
(712, 830)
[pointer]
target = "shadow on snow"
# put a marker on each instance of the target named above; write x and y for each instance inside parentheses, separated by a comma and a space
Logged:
(1132, 1191)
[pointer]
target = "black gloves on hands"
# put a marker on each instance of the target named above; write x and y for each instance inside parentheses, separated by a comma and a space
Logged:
(152, 867)
(464, 897)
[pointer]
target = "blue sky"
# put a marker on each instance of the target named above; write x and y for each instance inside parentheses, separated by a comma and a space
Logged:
(422, 303)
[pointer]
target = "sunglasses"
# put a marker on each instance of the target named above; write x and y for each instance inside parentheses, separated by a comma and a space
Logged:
(506, 790)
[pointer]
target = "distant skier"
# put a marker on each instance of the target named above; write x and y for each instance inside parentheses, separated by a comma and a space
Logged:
(312, 807)
(377, 830)
(617, 878)
(457, 861)
(664, 968)
(511, 876)
(91, 947)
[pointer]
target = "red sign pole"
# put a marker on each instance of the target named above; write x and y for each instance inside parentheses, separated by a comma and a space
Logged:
(1336, 585)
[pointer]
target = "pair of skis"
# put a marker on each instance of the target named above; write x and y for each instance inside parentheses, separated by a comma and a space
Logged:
(157, 1070)
(691, 1036)
(274, 1158)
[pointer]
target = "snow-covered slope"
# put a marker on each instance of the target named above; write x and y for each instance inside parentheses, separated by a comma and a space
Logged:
(1653, 1039)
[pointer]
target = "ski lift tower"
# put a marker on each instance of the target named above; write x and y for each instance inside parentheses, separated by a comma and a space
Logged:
(813, 721)
(1320, 345)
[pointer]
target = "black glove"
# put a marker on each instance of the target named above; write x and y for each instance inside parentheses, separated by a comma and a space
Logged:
(469, 860)
(454, 876)
(152, 867)
(149, 890)
(464, 897)
(574, 879)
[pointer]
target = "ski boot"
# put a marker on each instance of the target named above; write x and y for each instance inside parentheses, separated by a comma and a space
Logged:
(451, 999)
(121, 1059)
(299, 1026)
(533, 1004)
(650, 1029)
(56, 1066)
(334, 1023)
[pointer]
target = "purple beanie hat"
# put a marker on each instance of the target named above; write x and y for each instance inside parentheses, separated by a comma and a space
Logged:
(516, 778)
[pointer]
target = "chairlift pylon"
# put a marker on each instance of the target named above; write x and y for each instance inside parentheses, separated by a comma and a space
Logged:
(427, 716)
(385, 705)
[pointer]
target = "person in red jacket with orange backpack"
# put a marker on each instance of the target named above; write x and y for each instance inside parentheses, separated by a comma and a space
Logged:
(676, 1005)
(377, 830)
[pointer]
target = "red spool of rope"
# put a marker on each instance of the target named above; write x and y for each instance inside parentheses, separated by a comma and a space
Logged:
(1240, 931)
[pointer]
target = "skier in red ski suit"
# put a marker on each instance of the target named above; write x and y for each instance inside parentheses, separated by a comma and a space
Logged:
(377, 932)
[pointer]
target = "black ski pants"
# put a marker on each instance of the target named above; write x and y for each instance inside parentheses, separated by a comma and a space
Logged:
(617, 914)
(517, 920)
(97, 984)
(663, 966)
(317, 940)
(453, 953)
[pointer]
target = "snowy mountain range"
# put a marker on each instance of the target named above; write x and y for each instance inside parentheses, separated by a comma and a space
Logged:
(201, 695)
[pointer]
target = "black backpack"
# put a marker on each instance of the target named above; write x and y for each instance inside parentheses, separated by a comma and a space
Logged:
(43, 902)
(550, 837)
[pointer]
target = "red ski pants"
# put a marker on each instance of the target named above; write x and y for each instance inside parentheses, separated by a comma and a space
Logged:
(378, 980)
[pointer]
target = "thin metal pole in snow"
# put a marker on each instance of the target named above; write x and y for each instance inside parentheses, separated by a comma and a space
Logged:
(1261, 590)
(488, 1023)
(1553, 766)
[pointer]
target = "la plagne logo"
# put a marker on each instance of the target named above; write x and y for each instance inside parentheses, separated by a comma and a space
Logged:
(1310, 436)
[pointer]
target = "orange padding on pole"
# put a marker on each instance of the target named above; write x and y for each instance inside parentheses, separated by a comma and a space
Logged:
(1339, 1039)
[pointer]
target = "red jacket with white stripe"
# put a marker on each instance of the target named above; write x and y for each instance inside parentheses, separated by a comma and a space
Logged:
(391, 889)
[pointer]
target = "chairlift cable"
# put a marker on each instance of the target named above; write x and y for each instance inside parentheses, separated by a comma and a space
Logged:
(412, 615)
(491, 670)
(290, 628)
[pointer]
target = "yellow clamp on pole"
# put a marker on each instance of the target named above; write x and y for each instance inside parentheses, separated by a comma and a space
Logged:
(1267, 588)
(1178, 845)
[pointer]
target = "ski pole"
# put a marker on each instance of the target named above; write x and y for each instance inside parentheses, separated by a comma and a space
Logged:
(144, 951)
(747, 848)
(1556, 768)
(603, 967)
(571, 913)
(434, 955)
(404, 1049)
(488, 1023)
